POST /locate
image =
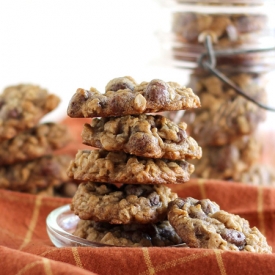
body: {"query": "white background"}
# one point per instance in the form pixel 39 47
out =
pixel 63 45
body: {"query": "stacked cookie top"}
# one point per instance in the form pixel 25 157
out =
pixel 135 148
pixel 27 162
pixel 141 153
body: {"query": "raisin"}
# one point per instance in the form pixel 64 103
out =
pixel 181 135
pixel 154 199
pixel 178 202
pixel 207 206
pixel 14 113
pixel 49 167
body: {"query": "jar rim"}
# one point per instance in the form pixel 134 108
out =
pixel 226 2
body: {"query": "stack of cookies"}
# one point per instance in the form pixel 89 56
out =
pixel 123 198
pixel 27 160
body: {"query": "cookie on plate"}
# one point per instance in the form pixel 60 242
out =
pixel 21 108
pixel 122 205
pixel 119 167
pixel 123 96
pixel 201 224
pixel 36 142
pixel 142 135
pixel 145 235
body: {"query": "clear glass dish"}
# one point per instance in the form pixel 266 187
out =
pixel 61 223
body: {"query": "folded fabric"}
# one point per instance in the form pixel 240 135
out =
pixel 25 247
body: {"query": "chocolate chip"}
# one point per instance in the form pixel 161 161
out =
pixel 157 92
pixel 140 143
pixel 117 104
pixel 234 237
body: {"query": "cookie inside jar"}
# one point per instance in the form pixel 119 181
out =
pixel 231 25
pixel 228 125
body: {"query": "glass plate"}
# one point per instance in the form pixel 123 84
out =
pixel 61 223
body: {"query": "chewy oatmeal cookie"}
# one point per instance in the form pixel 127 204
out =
pixel 229 161
pixel 41 140
pixel 144 135
pixel 122 205
pixel 159 234
pixel 21 108
pixel 224 116
pixel 118 167
pixel 124 97
pixel 201 224
pixel 36 174
pixel 257 174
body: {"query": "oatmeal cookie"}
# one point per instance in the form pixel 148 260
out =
pixel 229 161
pixel 146 235
pixel 33 143
pixel 124 97
pixel 118 167
pixel 35 175
pixel 225 116
pixel 143 135
pixel 21 108
pixel 257 174
pixel 202 224
pixel 122 205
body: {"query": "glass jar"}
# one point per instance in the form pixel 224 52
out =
pixel 224 115
pixel 212 39
pixel 231 25
pixel 227 127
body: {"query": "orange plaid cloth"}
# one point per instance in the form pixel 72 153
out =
pixel 25 247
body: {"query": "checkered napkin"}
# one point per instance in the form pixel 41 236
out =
pixel 25 247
